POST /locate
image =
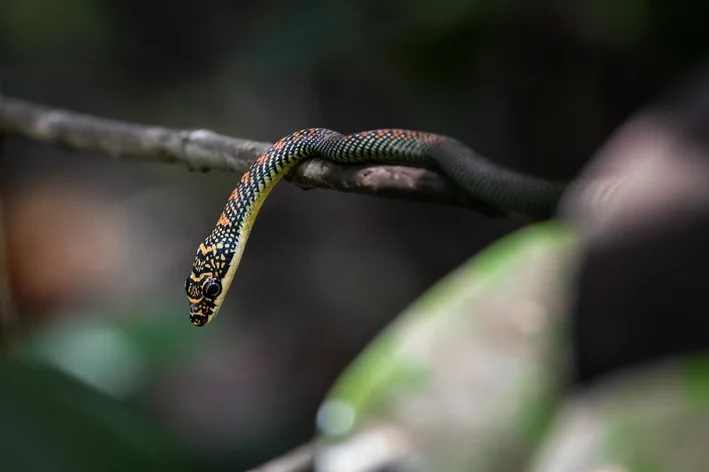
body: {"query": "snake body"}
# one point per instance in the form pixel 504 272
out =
pixel 218 256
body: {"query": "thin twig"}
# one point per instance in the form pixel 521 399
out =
pixel 300 459
pixel 201 149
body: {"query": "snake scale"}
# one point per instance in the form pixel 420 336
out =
pixel 218 256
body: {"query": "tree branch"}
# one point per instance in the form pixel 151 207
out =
pixel 204 150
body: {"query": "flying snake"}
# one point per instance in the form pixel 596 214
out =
pixel 218 256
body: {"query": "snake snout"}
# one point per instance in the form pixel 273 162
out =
pixel 197 318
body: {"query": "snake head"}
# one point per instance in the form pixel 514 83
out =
pixel 204 285
pixel 203 294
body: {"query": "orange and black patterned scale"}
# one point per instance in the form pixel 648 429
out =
pixel 219 255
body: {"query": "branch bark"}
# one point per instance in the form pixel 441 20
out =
pixel 203 150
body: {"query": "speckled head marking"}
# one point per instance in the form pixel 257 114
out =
pixel 205 286
pixel 219 254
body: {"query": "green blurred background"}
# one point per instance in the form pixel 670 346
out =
pixel 98 250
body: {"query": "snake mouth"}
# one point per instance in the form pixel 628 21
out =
pixel 197 318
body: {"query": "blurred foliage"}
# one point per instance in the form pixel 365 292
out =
pixel 386 366
pixel 53 422
pixel 470 374
pixel 67 391
pixel 116 358
pixel 654 418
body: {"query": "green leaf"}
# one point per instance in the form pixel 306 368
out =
pixel 53 422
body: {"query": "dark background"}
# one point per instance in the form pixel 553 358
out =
pixel 98 249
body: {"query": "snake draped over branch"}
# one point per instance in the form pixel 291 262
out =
pixel 218 256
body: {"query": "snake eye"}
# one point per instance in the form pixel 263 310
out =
pixel 212 289
pixel 187 285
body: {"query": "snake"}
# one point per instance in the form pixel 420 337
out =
pixel 218 256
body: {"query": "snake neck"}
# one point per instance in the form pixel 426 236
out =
pixel 237 220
